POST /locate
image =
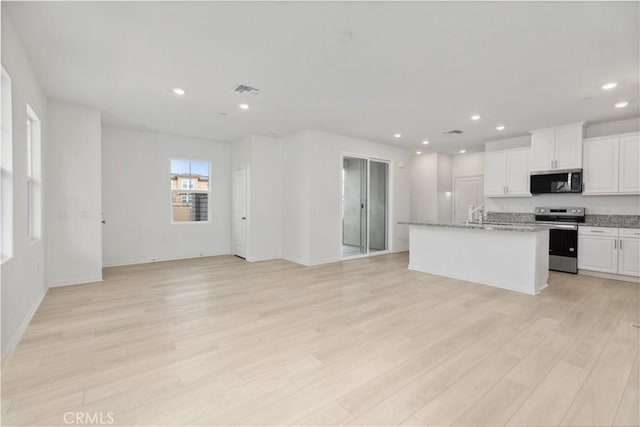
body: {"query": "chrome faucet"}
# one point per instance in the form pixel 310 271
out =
pixel 475 214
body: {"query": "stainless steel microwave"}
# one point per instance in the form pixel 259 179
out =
pixel 568 181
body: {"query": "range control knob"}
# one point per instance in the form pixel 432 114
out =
pixel 573 211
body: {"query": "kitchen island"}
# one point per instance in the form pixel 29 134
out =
pixel 514 257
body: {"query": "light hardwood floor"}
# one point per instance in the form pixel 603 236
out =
pixel 218 341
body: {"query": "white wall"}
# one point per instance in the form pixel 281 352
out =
pixel 424 187
pixel 445 185
pixel 611 128
pixel 471 164
pixel 74 162
pixel 23 280
pixel 295 198
pixel 137 198
pixel 311 217
pixel 262 156
pixel 324 174
pixel 431 184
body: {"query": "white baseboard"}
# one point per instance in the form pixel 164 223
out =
pixel 252 259
pixel 126 262
pixel 23 327
pixel 611 276
pixel 60 283
pixel 296 261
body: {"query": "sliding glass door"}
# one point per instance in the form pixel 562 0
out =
pixel 365 198
pixel 378 185
pixel 354 206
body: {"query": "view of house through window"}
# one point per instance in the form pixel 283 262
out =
pixel 189 190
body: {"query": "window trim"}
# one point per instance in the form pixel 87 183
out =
pixel 34 176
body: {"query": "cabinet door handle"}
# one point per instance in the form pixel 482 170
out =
pixel 551 164
pixel 620 244
pixel 615 244
pixel 507 188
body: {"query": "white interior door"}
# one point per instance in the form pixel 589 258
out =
pixel 240 212
pixel 467 191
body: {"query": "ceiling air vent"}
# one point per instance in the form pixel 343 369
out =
pixel 453 132
pixel 246 90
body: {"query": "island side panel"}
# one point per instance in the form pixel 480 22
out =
pixel 542 263
pixel 506 259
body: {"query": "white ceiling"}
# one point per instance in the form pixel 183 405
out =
pixel 413 67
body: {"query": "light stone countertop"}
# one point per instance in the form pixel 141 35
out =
pixel 522 228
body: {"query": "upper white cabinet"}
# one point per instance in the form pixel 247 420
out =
pixel 506 173
pixel 629 164
pixel 612 165
pixel 601 166
pixel 557 148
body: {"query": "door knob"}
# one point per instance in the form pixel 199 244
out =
pixel 244 217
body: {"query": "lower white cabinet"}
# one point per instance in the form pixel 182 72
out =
pixel 609 250
pixel 629 252
pixel 598 249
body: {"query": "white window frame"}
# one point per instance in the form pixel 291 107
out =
pixel 34 182
pixel 191 190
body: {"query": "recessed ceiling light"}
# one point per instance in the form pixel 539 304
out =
pixel 462 151
pixel 178 91
pixel 397 135
pixel 244 106
pixel 418 152
pixel 500 127
pixel 609 86
pixel 621 104
pixel 425 142
pixel 475 117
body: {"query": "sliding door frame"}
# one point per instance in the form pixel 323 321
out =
pixel 389 198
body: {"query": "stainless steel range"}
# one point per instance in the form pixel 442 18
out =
pixel 563 236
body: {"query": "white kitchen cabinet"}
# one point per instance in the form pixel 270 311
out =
pixel 601 166
pixel 598 249
pixel 506 173
pixel 542 142
pixel 609 250
pixel 630 164
pixel 557 148
pixel 612 165
pixel 517 177
pixel 495 173
pixel 629 252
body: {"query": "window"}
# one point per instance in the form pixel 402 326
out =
pixel 189 191
pixel 6 163
pixel 34 184
pixel 187 184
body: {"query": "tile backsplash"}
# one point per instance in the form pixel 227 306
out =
pixel 603 205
